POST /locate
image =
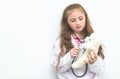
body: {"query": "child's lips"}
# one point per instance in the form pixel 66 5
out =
pixel 78 27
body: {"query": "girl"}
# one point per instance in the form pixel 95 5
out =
pixel 75 26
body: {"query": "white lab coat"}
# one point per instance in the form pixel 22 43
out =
pixel 64 70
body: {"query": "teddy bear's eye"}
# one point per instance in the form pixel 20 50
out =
pixel 89 39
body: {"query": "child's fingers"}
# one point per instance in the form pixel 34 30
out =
pixel 91 57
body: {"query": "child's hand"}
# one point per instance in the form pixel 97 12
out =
pixel 92 57
pixel 74 52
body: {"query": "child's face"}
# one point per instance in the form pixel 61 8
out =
pixel 76 20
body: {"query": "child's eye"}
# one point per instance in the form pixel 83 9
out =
pixel 73 20
pixel 80 18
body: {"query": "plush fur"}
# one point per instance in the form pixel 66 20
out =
pixel 92 43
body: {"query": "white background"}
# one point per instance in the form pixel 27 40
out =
pixel 28 29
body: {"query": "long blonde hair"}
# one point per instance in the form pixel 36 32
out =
pixel 66 31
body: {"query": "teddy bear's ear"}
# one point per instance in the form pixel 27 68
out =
pixel 95 36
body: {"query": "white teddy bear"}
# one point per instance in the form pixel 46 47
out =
pixel 92 43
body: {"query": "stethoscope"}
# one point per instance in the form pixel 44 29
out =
pixel 86 65
pixel 86 68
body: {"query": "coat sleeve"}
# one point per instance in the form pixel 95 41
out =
pixel 65 61
pixel 98 66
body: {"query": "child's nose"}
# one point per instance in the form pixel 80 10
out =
pixel 77 22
